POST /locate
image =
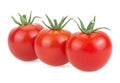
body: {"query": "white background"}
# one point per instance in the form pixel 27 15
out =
pixel 107 14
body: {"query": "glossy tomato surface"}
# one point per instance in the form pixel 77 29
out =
pixel 89 52
pixel 50 46
pixel 21 41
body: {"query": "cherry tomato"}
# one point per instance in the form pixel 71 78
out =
pixel 21 39
pixel 50 44
pixel 89 50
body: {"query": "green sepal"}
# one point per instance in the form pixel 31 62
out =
pixel 90 28
pixel 55 25
pixel 82 25
pixel 50 21
pixel 15 20
pixel 91 24
pixel 23 19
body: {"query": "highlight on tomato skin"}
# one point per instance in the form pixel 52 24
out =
pixel 90 49
pixel 21 38
pixel 50 43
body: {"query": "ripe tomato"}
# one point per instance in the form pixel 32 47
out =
pixel 50 45
pixel 89 50
pixel 21 40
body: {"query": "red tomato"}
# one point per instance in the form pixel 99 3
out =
pixel 21 40
pixel 89 51
pixel 50 46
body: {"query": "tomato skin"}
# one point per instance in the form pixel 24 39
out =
pixel 89 52
pixel 21 41
pixel 50 46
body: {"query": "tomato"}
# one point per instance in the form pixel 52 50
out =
pixel 50 45
pixel 21 40
pixel 89 50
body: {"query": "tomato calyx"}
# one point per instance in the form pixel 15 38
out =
pixel 90 28
pixel 24 20
pixel 55 25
